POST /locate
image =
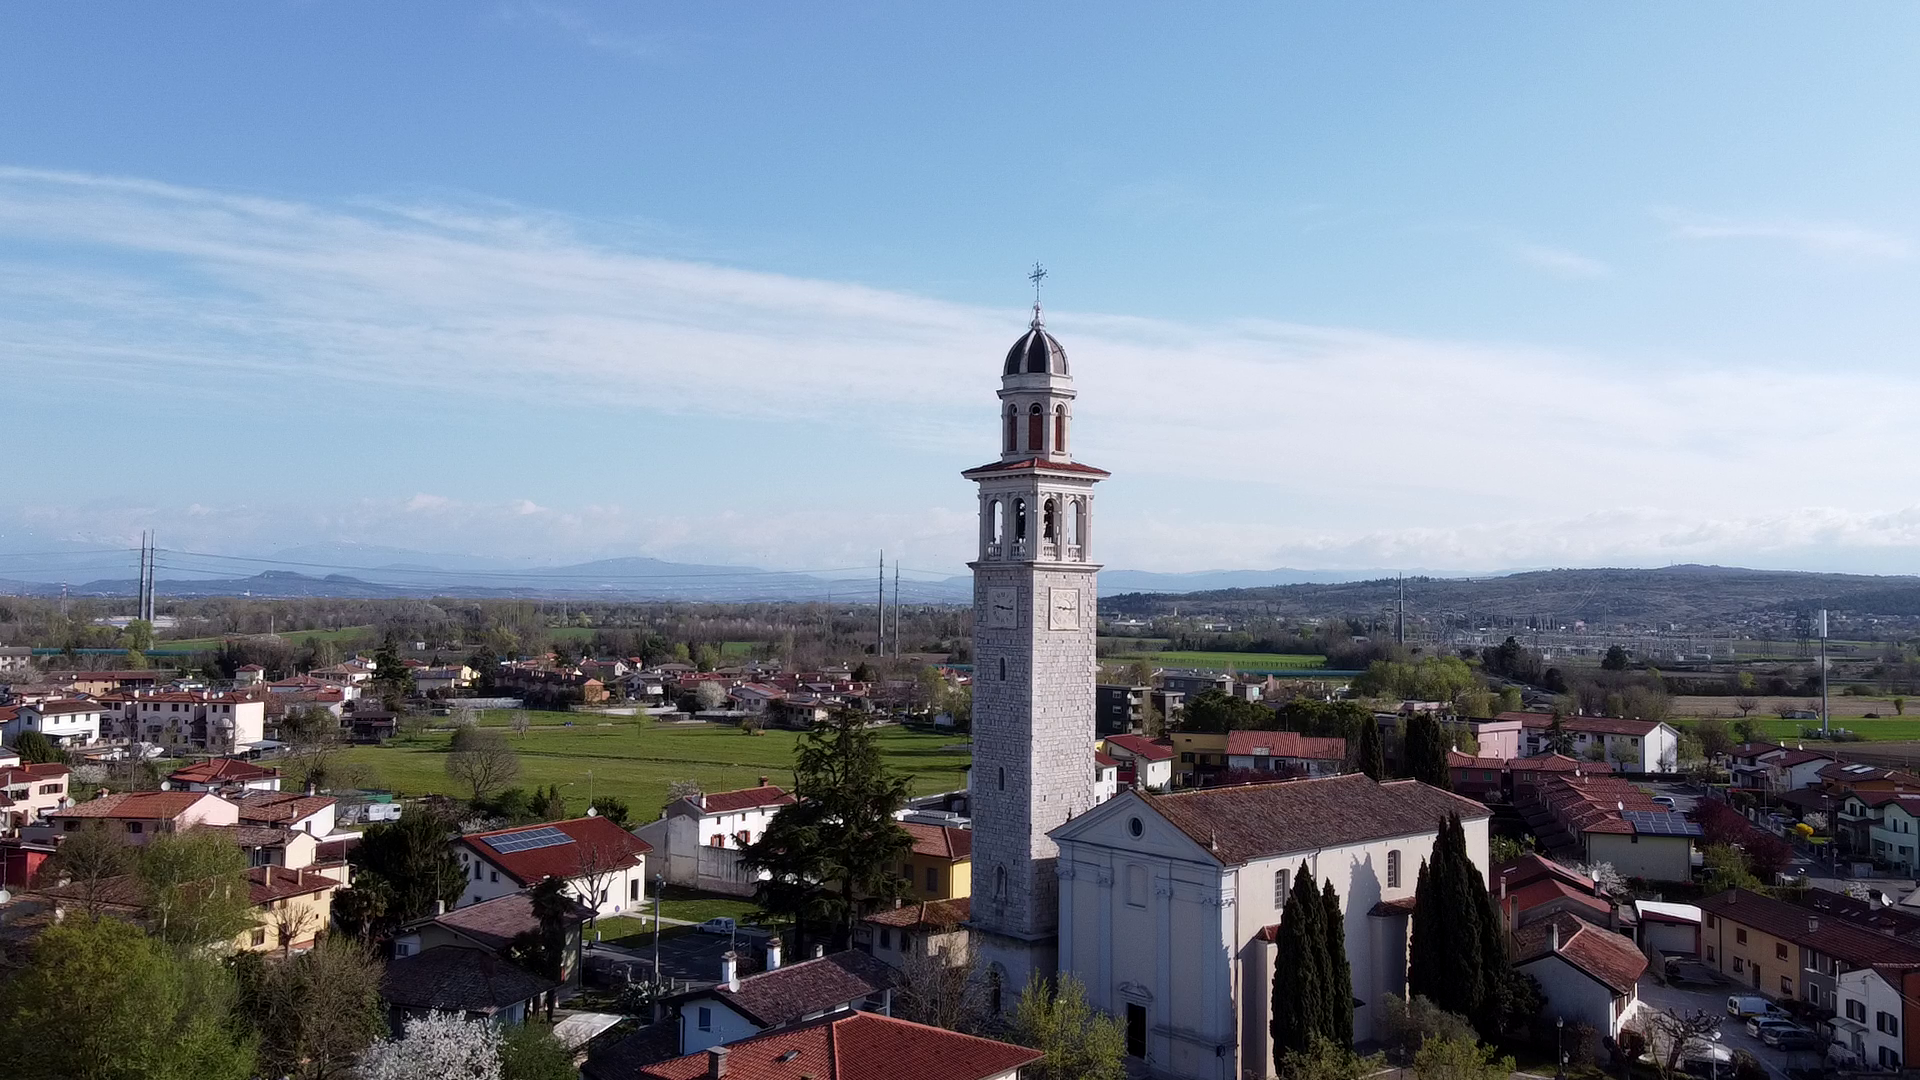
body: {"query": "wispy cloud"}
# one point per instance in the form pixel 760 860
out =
pixel 578 26
pixel 1831 238
pixel 1559 262
pixel 1233 444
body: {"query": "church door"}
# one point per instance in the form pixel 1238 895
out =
pixel 1136 1030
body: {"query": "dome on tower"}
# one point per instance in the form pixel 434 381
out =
pixel 1037 352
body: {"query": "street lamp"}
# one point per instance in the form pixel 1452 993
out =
pixel 659 886
pixel 1560 1047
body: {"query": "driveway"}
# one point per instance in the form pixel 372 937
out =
pixel 1733 1031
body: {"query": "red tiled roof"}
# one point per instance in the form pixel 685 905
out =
pixel 732 802
pixel 772 998
pixel 160 805
pixel 1908 800
pixel 940 841
pixel 934 914
pixel 1036 463
pixel 1853 773
pixel 594 839
pixel 1607 957
pixel 1458 760
pixel 216 770
pixel 1547 890
pixel 1285 744
pixel 61 708
pixel 1831 934
pixel 1527 869
pixel 856 1046
pixel 1255 821
pixel 1142 748
pixel 277 806
pixel 1105 761
pixel 16 774
pixel 268 883
pixel 1551 762
pixel 1800 757
pixel 1603 725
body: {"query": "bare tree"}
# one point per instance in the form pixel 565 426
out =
pixel 683 789
pixel 520 722
pixel 947 989
pixel 597 866
pixel 484 763
pixel 1668 1032
pixel 91 858
pixel 1746 704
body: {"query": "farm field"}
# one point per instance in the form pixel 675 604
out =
pixel 1221 661
pixel 741 649
pixel 1892 729
pixel 637 761
pixel 1842 706
pixel 291 637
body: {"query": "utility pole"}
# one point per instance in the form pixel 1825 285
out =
pixel 1825 723
pixel 880 613
pixel 896 609
pixel 1400 616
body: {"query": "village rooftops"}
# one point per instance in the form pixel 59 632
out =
pixel 1829 934
pixel 1602 955
pixel 1855 773
pixel 776 998
pixel 222 771
pixel 851 1046
pixel 733 802
pixel 1592 725
pixel 940 841
pixel 459 980
pixel 1285 744
pixel 276 807
pixel 144 805
pixel 1246 822
pixel 564 849
pixel 1529 868
pixel 932 915
pixel 1139 747
pixel 495 924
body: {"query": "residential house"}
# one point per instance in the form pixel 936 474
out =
pixel 1783 950
pixel 756 698
pixel 30 792
pixel 782 996
pixel 1606 819
pixel 924 930
pixel 1744 765
pixel 294 906
pixel 1191 684
pixel 193 720
pixel 854 1046
pixel 493 925
pixel 1285 752
pixel 309 813
pixel 1639 746
pixel 1587 974
pixel 1106 776
pixel 1890 819
pixel 443 679
pixel 1670 929
pixel 697 839
pixel 940 865
pixel 474 983
pixel 140 815
pixel 604 865
pixel 1144 763
pixel 1169 905
pixel 96 683
pixel 66 723
pixel 15 658
pixel 249 675
pixel 367 721
pixel 1120 710
pixel 225 775
pixel 1530 888
pixel 1492 780
pixel 1776 769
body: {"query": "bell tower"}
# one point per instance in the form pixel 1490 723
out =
pixel 1034 606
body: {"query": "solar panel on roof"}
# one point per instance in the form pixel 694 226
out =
pixel 1648 823
pixel 527 840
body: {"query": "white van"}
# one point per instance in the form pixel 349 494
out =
pixel 1742 1005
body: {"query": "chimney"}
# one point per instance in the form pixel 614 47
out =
pixel 764 781
pixel 773 953
pixel 716 1063
pixel 819 951
pixel 1813 924
pixel 312 790
pixel 1553 935
pixel 439 907
pixel 730 970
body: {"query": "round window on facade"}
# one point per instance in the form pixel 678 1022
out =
pixel 1135 827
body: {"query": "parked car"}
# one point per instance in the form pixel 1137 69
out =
pixel 1791 1038
pixel 719 924
pixel 1666 801
pixel 1743 1005
pixel 1759 1026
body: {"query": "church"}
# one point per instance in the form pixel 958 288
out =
pixel 1164 906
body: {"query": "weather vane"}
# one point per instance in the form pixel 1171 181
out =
pixel 1039 274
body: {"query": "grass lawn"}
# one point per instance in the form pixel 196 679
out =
pixel 638 760
pixel 689 906
pixel 1903 729
pixel 291 637
pixel 1221 661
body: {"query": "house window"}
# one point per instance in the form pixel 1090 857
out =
pixel 134 826
pixel 705 1019
pixel 1888 1058
pixel 1137 886
pixel 259 936
pixel 1279 890
pixel 1856 1011
pixel 933 879
pixel 1886 1023
pixel 1779 951
pixel 1786 986
pixel 886 938
pixel 1710 956
pixel 493 875
pixel 1739 965
pixel 1186 759
pixel 1740 936
pixel 1712 921
pixel 402 948
pixel 476 871
pixel 1393 869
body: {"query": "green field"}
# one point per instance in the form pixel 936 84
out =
pixel 1901 729
pixel 291 637
pixel 638 760
pixel 1221 661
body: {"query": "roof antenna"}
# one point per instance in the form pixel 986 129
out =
pixel 1038 275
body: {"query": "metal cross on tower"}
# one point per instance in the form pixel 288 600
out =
pixel 1038 275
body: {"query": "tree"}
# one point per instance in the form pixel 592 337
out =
pixel 613 808
pixel 437 1046
pixel 90 859
pixel 551 805
pixel 1559 739
pixel 1726 868
pixel 100 1000
pixel 1460 1059
pixel 138 636
pixel 392 680
pixel 1328 1060
pixel 545 950
pixel 1078 1042
pixel 401 870
pixel 1423 752
pixel 530 1052
pixel 1746 703
pixel 1301 975
pixel 1339 990
pixel 1369 753
pixel 683 789
pixel 1899 706
pixel 1669 1031
pixel 1456 956
pixel 1615 660
pixel 313 1014
pixel 195 888
pixel 484 763
pixel 709 695
pixel 1407 1024
pixel 1715 739
pixel 35 748
pixel 832 856
pixel 943 990
pixel 520 722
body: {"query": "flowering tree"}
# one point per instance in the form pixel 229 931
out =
pixel 437 1046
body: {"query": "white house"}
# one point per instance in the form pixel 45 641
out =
pixel 1285 752
pixel 1106 777
pixel 1168 905
pixel 1143 762
pixel 741 1007
pixel 15 658
pixel 604 865
pixel 29 792
pixel 1867 1018
pixel 1628 745
pixel 64 723
pixel 311 814
pixel 192 720
pixel 1588 974
pixel 697 840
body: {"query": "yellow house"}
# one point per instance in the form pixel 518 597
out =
pixel 292 907
pixel 1194 750
pixel 940 866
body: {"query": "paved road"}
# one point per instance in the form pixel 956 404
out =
pixel 1733 1031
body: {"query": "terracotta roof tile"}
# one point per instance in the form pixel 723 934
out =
pixel 1287 744
pixel 1255 821
pixel 216 770
pixel 1036 463
pixel 940 841
pixel 1142 748
pixel 856 1046
pixel 495 923
pixel 456 979
pixel 1602 954
pixel 592 837
pixel 732 802
pixel 138 804
pixel 932 915
pixel 773 998
pixel 1831 934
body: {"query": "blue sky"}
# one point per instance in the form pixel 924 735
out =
pixel 1446 286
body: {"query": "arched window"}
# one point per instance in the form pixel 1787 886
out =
pixel 1073 521
pixel 1013 428
pixel 997 522
pixel 1000 884
pixel 1019 519
pixel 995 981
pixel 1049 522
pixel 1036 429
pixel 1059 429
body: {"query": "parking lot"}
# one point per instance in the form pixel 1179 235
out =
pixel 1733 1031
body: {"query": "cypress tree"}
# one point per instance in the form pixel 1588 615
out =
pixel 1496 975
pixel 1446 961
pixel 1300 975
pixel 1423 752
pixel 1339 971
pixel 1369 753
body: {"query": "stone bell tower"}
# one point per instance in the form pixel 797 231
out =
pixel 1033 661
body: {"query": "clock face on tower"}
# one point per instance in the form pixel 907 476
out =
pixel 1063 609
pixel 1003 607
